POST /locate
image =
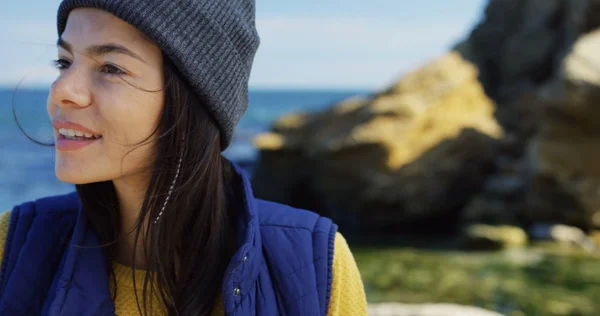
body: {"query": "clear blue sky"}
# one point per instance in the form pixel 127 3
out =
pixel 324 44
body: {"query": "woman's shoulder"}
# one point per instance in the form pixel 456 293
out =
pixel 348 295
pixel 61 203
pixel 57 205
pixel 4 222
pixel 284 215
pixel 5 216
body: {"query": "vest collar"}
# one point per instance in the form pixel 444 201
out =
pixel 244 266
pixel 84 279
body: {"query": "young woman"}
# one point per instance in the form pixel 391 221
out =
pixel 160 223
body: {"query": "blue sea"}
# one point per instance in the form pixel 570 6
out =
pixel 27 169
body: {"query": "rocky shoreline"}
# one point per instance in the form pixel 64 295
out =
pixel 495 141
pixel 399 309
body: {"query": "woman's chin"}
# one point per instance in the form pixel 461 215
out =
pixel 72 176
pixel 71 180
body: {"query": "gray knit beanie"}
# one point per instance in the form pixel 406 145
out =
pixel 211 42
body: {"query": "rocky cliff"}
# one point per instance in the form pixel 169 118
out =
pixel 504 130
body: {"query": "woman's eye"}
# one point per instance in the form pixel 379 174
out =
pixel 60 63
pixel 112 70
pixel 106 68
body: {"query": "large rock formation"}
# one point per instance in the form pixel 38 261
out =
pixel 566 149
pixel 520 49
pixel 413 153
pixel 551 175
pixel 501 130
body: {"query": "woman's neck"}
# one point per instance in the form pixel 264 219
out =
pixel 130 193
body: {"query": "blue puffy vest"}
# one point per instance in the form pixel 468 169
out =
pixel 283 264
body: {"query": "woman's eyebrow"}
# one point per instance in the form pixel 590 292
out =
pixel 103 49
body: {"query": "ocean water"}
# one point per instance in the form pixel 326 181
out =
pixel 27 168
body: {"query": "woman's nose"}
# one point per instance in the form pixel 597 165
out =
pixel 71 88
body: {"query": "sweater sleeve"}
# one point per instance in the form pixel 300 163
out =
pixel 4 221
pixel 347 289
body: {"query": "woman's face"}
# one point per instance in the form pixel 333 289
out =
pixel 92 91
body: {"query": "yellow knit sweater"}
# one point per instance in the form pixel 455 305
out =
pixel 347 290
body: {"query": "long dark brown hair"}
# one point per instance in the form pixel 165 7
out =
pixel 188 249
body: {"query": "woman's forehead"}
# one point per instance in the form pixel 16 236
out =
pixel 89 26
pixel 100 24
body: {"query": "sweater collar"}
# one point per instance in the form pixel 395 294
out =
pixel 86 267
